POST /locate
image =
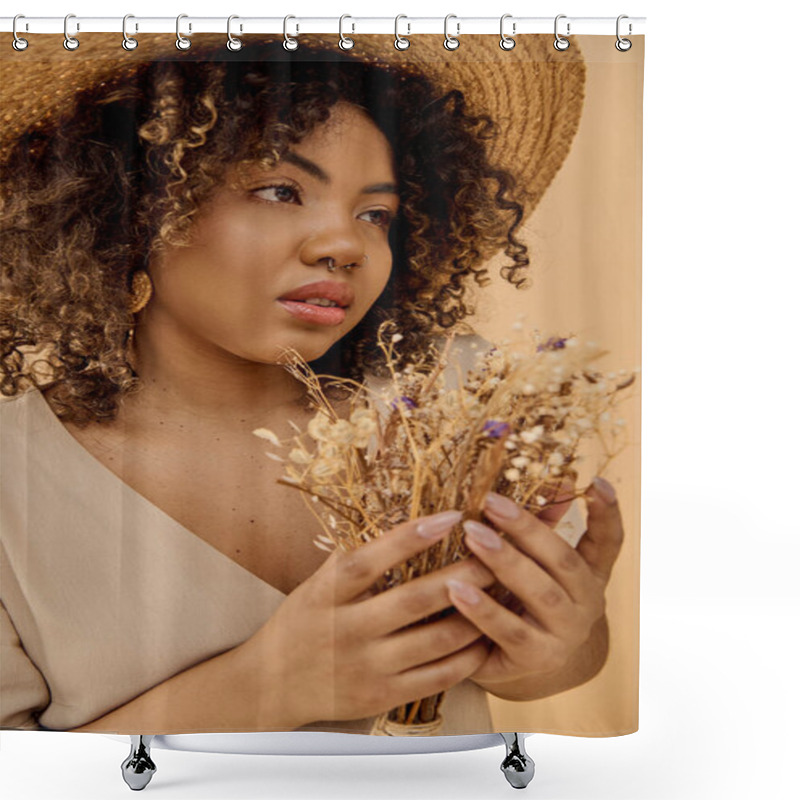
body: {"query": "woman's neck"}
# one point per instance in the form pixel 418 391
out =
pixel 204 383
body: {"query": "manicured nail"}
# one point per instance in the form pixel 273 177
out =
pixel 463 591
pixel 483 534
pixel 605 489
pixel 437 525
pixel 502 506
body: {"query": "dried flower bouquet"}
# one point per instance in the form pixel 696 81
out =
pixel 512 425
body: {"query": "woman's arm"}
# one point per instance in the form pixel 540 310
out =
pixel 216 695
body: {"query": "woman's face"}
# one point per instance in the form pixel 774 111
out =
pixel 332 197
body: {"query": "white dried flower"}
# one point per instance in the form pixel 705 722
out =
pixel 300 456
pixel 323 469
pixel 264 433
pixel 512 475
pixel 532 435
pixel 397 337
pixel 319 427
pixel 341 432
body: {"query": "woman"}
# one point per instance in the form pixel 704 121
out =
pixel 149 284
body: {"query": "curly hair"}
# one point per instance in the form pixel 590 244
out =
pixel 88 198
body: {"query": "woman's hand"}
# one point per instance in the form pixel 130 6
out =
pixel 335 650
pixel 561 588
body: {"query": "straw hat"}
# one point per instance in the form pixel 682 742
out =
pixel 534 92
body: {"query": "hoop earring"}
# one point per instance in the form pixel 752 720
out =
pixel 141 291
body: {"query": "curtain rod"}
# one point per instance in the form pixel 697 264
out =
pixel 346 24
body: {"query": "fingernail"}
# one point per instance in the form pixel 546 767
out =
pixel 502 506
pixel 483 534
pixel 437 525
pixel 605 489
pixel 463 591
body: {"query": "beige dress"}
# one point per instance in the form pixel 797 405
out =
pixel 104 595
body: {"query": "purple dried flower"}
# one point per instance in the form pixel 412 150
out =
pixel 495 429
pixel 407 401
pixel 552 343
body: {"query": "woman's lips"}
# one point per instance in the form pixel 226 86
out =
pixel 321 315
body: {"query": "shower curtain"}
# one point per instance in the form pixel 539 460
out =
pixel 199 531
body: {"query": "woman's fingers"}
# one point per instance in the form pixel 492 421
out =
pixel 522 645
pixel 427 642
pixel 347 575
pixel 602 542
pixel 566 569
pixel 414 600
pixel 548 603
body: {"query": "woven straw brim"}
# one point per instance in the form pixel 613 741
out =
pixel 534 92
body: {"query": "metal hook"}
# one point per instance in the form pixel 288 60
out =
pixel 345 42
pixel 70 43
pixel 18 44
pixel 623 45
pixel 400 42
pixel 560 43
pixel 182 43
pixel 506 42
pixel 128 43
pixel 234 44
pixel 450 42
pixel 289 43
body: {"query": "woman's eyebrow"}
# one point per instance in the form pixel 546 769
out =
pixel 317 172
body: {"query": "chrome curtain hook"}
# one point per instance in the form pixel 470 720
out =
pixel 400 42
pixel 623 45
pixel 560 43
pixel 506 42
pixel 18 44
pixel 345 42
pixel 182 43
pixel 128 43
pixel 450 42
pixel 234 44
pixel 289 43
pixel 70 43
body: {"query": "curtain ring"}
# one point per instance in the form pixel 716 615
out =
pixel 400 42
pixel 506 42
pixel 234 44
pixel 345 42
pixel 560 43
pixel 623 45
pixel 450 42
pixel 289 43
pixel 70 42
pixel 18 44
pixel 128 43
pixel 182 43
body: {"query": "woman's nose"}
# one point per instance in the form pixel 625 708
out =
pixel 338 241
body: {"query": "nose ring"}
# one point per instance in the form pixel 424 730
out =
pixel 348 267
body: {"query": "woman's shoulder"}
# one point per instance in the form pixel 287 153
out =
pixel 16 403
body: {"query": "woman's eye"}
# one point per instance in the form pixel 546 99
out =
pixel 279 192
pixel 283 192
pixel 385 217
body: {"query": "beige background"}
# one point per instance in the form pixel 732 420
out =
pixel 585 246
